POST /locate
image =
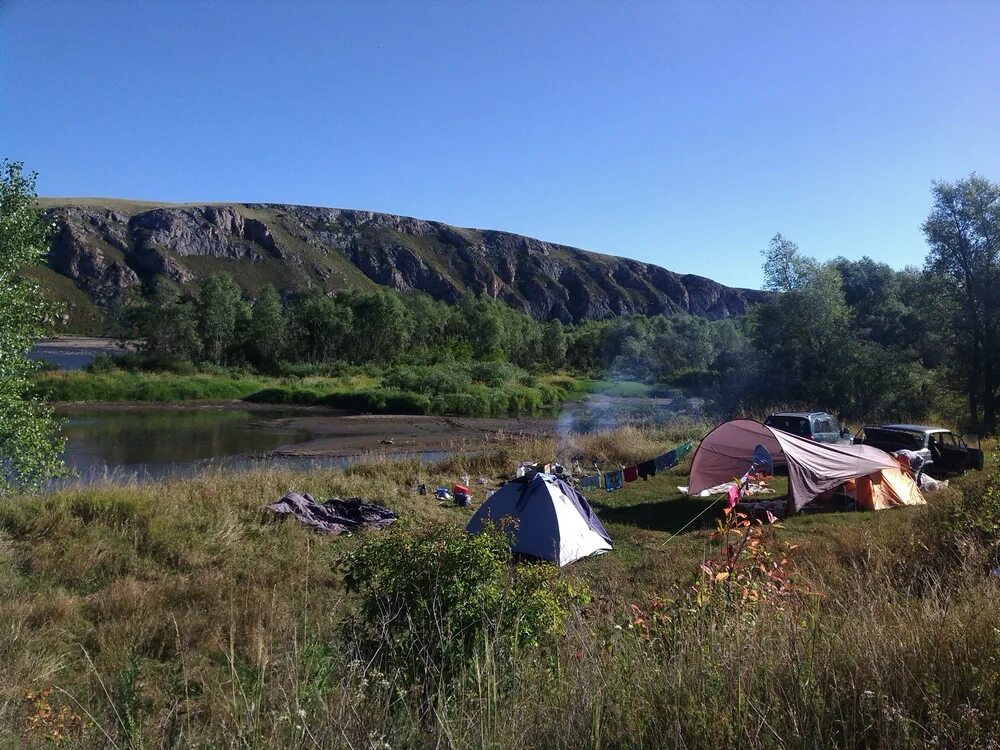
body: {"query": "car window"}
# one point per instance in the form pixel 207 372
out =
pixel 794 425
pixel 914 441
pixel 823 426
pixel 948 440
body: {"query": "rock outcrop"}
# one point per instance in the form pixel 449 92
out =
pixel 108 251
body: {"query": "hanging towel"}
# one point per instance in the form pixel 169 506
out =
pixel 647 469
pixel 682 450
pixel 630 474
pixel 613 480
pixel 591 481
pixel 665 460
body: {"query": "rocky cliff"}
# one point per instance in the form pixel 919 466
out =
pixel 109 248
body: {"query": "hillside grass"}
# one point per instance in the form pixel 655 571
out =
pixel 180 615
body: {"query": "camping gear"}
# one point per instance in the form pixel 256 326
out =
pixel 551 520
pixel 334 516
pixel 422 489
pixel 462 494
pixel 441 493
pixel 813 468
pixel 887 489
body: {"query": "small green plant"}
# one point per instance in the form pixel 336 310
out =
pixel 434 601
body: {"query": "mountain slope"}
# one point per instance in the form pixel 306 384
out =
pixel 108 248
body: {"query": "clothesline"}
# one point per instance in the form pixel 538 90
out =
pixel 613 480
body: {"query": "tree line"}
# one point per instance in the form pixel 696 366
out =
pixel 218 324
pixel 856 337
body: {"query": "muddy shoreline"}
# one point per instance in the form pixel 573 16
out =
pixel 340 435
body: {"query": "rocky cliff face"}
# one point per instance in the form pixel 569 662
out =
pixel 109 249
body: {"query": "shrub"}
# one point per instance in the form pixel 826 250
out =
pixel 977 512
pixel 435 600
pixel 102 363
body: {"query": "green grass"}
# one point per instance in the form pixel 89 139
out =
pixel 83 316
pixel 144 386
pixel 459 389
pixel 178 614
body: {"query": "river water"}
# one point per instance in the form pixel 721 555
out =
pixel 149 443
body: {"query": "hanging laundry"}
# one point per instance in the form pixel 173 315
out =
pixel 665 461
pixel 613 480
pixel 682 450
pixel 647 469
pixel 630 474
pixel 591 481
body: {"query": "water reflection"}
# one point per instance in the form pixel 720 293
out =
pixel 146 444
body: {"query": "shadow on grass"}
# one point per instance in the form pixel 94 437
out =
pixel 669 515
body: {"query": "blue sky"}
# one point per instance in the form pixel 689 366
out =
pixel 680 133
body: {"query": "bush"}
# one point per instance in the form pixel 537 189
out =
pixel 435 600
pixel 972 520
pixel 102 363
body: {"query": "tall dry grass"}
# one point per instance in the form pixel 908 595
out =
pixel 179 615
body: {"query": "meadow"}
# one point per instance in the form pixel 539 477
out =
pixel 180 615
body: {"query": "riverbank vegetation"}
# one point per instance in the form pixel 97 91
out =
pixel 178 614
pixel 464 389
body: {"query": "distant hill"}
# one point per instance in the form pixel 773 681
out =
pixel 105 248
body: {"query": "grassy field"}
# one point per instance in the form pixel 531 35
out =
pixel 178 615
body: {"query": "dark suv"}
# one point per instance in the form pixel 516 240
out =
pixel 942 450
pixel 812 425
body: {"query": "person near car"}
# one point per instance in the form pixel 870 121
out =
pixel 913 460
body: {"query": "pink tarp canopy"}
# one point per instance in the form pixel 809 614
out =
pixel 813 468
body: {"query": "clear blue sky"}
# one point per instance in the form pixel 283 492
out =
pixel 682 133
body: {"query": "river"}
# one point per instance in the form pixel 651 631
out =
pixel 150 442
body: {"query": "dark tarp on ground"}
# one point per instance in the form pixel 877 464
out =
pixel 335 516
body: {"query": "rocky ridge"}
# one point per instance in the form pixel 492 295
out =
pixel 110 249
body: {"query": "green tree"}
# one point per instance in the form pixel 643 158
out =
pixel 29 441
pixel 481 322
pixel 381 326
pixel 804 333
pixel 321 325
pixel 963 231
pixel 266 330
pixel 168 327
pixel 555 345
pixel 222 317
